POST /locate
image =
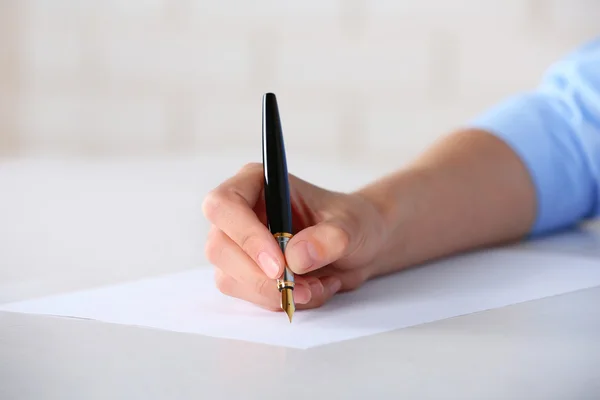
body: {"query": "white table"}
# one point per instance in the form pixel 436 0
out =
pixel 68 225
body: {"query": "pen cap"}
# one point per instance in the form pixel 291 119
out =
pixel 277 192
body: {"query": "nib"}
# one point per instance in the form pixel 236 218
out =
pixel 287 302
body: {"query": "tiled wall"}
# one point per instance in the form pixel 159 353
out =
pixel 378 79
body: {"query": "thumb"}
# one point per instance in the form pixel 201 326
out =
pixel 319 245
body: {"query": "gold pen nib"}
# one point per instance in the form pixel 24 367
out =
pixel 287 302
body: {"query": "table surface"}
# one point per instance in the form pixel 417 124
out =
pixel 76 224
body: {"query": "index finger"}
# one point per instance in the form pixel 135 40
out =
pixel 230 208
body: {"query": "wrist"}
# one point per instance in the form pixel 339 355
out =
pixel 397 201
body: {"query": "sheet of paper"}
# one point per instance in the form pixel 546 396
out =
pixel 188 301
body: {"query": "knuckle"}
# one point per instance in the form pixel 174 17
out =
pixel 251 167
pixel 212 203
pixel 221 204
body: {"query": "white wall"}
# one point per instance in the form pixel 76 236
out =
pixel 379 79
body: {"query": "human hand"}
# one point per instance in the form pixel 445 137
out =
pixel 336 239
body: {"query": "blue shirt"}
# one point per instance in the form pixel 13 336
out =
pixel 555 130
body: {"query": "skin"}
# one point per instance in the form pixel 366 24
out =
pixel 469 190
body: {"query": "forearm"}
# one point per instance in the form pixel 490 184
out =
pixel 468 190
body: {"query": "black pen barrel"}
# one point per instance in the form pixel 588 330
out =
pixel 276 183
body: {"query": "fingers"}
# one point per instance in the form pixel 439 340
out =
pixel 310 293
pixel 223 253
pixel 321 291
pixel 268 297
pixel 230 287
pixel 230 208
pixel 319 245
pixel 248 258
pixel 239 276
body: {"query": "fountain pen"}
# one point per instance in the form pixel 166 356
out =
pixel 277 193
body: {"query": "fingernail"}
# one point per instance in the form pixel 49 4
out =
pixel 333 284
pixel 305 256
pixel 316 287
pixel 268 265
pixel 302 293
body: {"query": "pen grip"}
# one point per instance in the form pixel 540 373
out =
pixel 287 279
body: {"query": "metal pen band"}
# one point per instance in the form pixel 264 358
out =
pixel 287 280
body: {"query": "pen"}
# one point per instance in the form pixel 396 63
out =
pixel 277 193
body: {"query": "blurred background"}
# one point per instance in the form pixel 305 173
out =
pixel 369 81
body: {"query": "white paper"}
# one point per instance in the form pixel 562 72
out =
pixel 188 301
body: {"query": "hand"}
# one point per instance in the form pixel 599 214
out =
pixel 336 239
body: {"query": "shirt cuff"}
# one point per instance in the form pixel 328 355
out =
pixel 531 125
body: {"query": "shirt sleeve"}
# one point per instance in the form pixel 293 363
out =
pixel 555 130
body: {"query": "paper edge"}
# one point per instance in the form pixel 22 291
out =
pixel 303 348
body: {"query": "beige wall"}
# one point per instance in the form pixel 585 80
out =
pixel 377 79
pixel 9 77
